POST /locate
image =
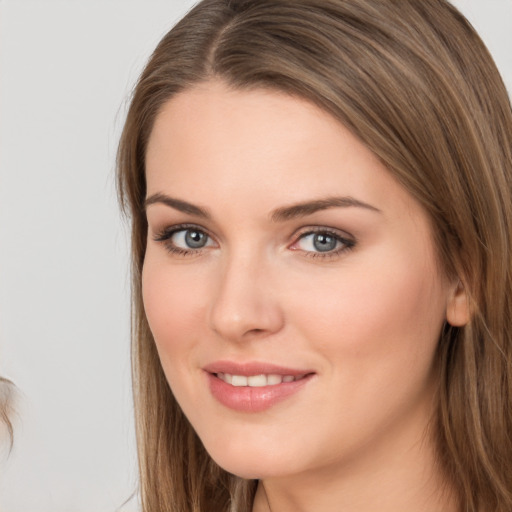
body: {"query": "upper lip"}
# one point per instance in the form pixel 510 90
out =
pixel 253 368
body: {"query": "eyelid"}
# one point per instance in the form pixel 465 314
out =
pixel 165 235
pixel 348 241
pixel 316 228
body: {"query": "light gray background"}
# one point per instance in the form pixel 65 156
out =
pixel 66 69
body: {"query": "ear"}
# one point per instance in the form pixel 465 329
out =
pixel 458 311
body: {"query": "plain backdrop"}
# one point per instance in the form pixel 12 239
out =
pixel 66 71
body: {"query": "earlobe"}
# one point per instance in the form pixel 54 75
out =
pixel 458 311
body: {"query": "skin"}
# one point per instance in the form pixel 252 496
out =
pixel 366 320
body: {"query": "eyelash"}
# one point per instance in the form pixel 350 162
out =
pixel 347 243
pixel 166 234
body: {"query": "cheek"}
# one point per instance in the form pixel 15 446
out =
pixel 377 330
pixel 371 310
pixel 174 305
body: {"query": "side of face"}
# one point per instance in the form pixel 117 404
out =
pixel 278 243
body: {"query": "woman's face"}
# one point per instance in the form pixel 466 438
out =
pixel 290 283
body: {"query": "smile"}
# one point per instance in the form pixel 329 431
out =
pixel 254 387
pixel 257 381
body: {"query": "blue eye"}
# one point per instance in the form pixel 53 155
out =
pixel 322 243
pixel 189 239
pixel 184 240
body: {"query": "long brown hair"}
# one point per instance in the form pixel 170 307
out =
pixel 415 83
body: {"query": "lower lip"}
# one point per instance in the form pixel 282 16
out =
pixel 253 399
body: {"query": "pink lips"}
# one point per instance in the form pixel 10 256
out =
pixel 253 399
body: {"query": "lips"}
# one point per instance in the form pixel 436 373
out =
pixel 254 387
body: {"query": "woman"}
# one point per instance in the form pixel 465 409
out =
pixel 320 198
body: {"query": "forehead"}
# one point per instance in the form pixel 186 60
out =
pixel 216 115
pixel 212 143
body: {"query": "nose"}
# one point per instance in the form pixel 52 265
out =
pixel 245 304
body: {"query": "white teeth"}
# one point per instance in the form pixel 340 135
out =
pixel 272 380
pixel 257 381
pixel 239 380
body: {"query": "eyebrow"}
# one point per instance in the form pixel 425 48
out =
pixel 279 215
pixel 310 207
pixel 177 204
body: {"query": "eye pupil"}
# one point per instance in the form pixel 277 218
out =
pixel 323 242
pixel 195 239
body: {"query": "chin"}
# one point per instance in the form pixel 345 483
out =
pixel 252 460
pixel 253 470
